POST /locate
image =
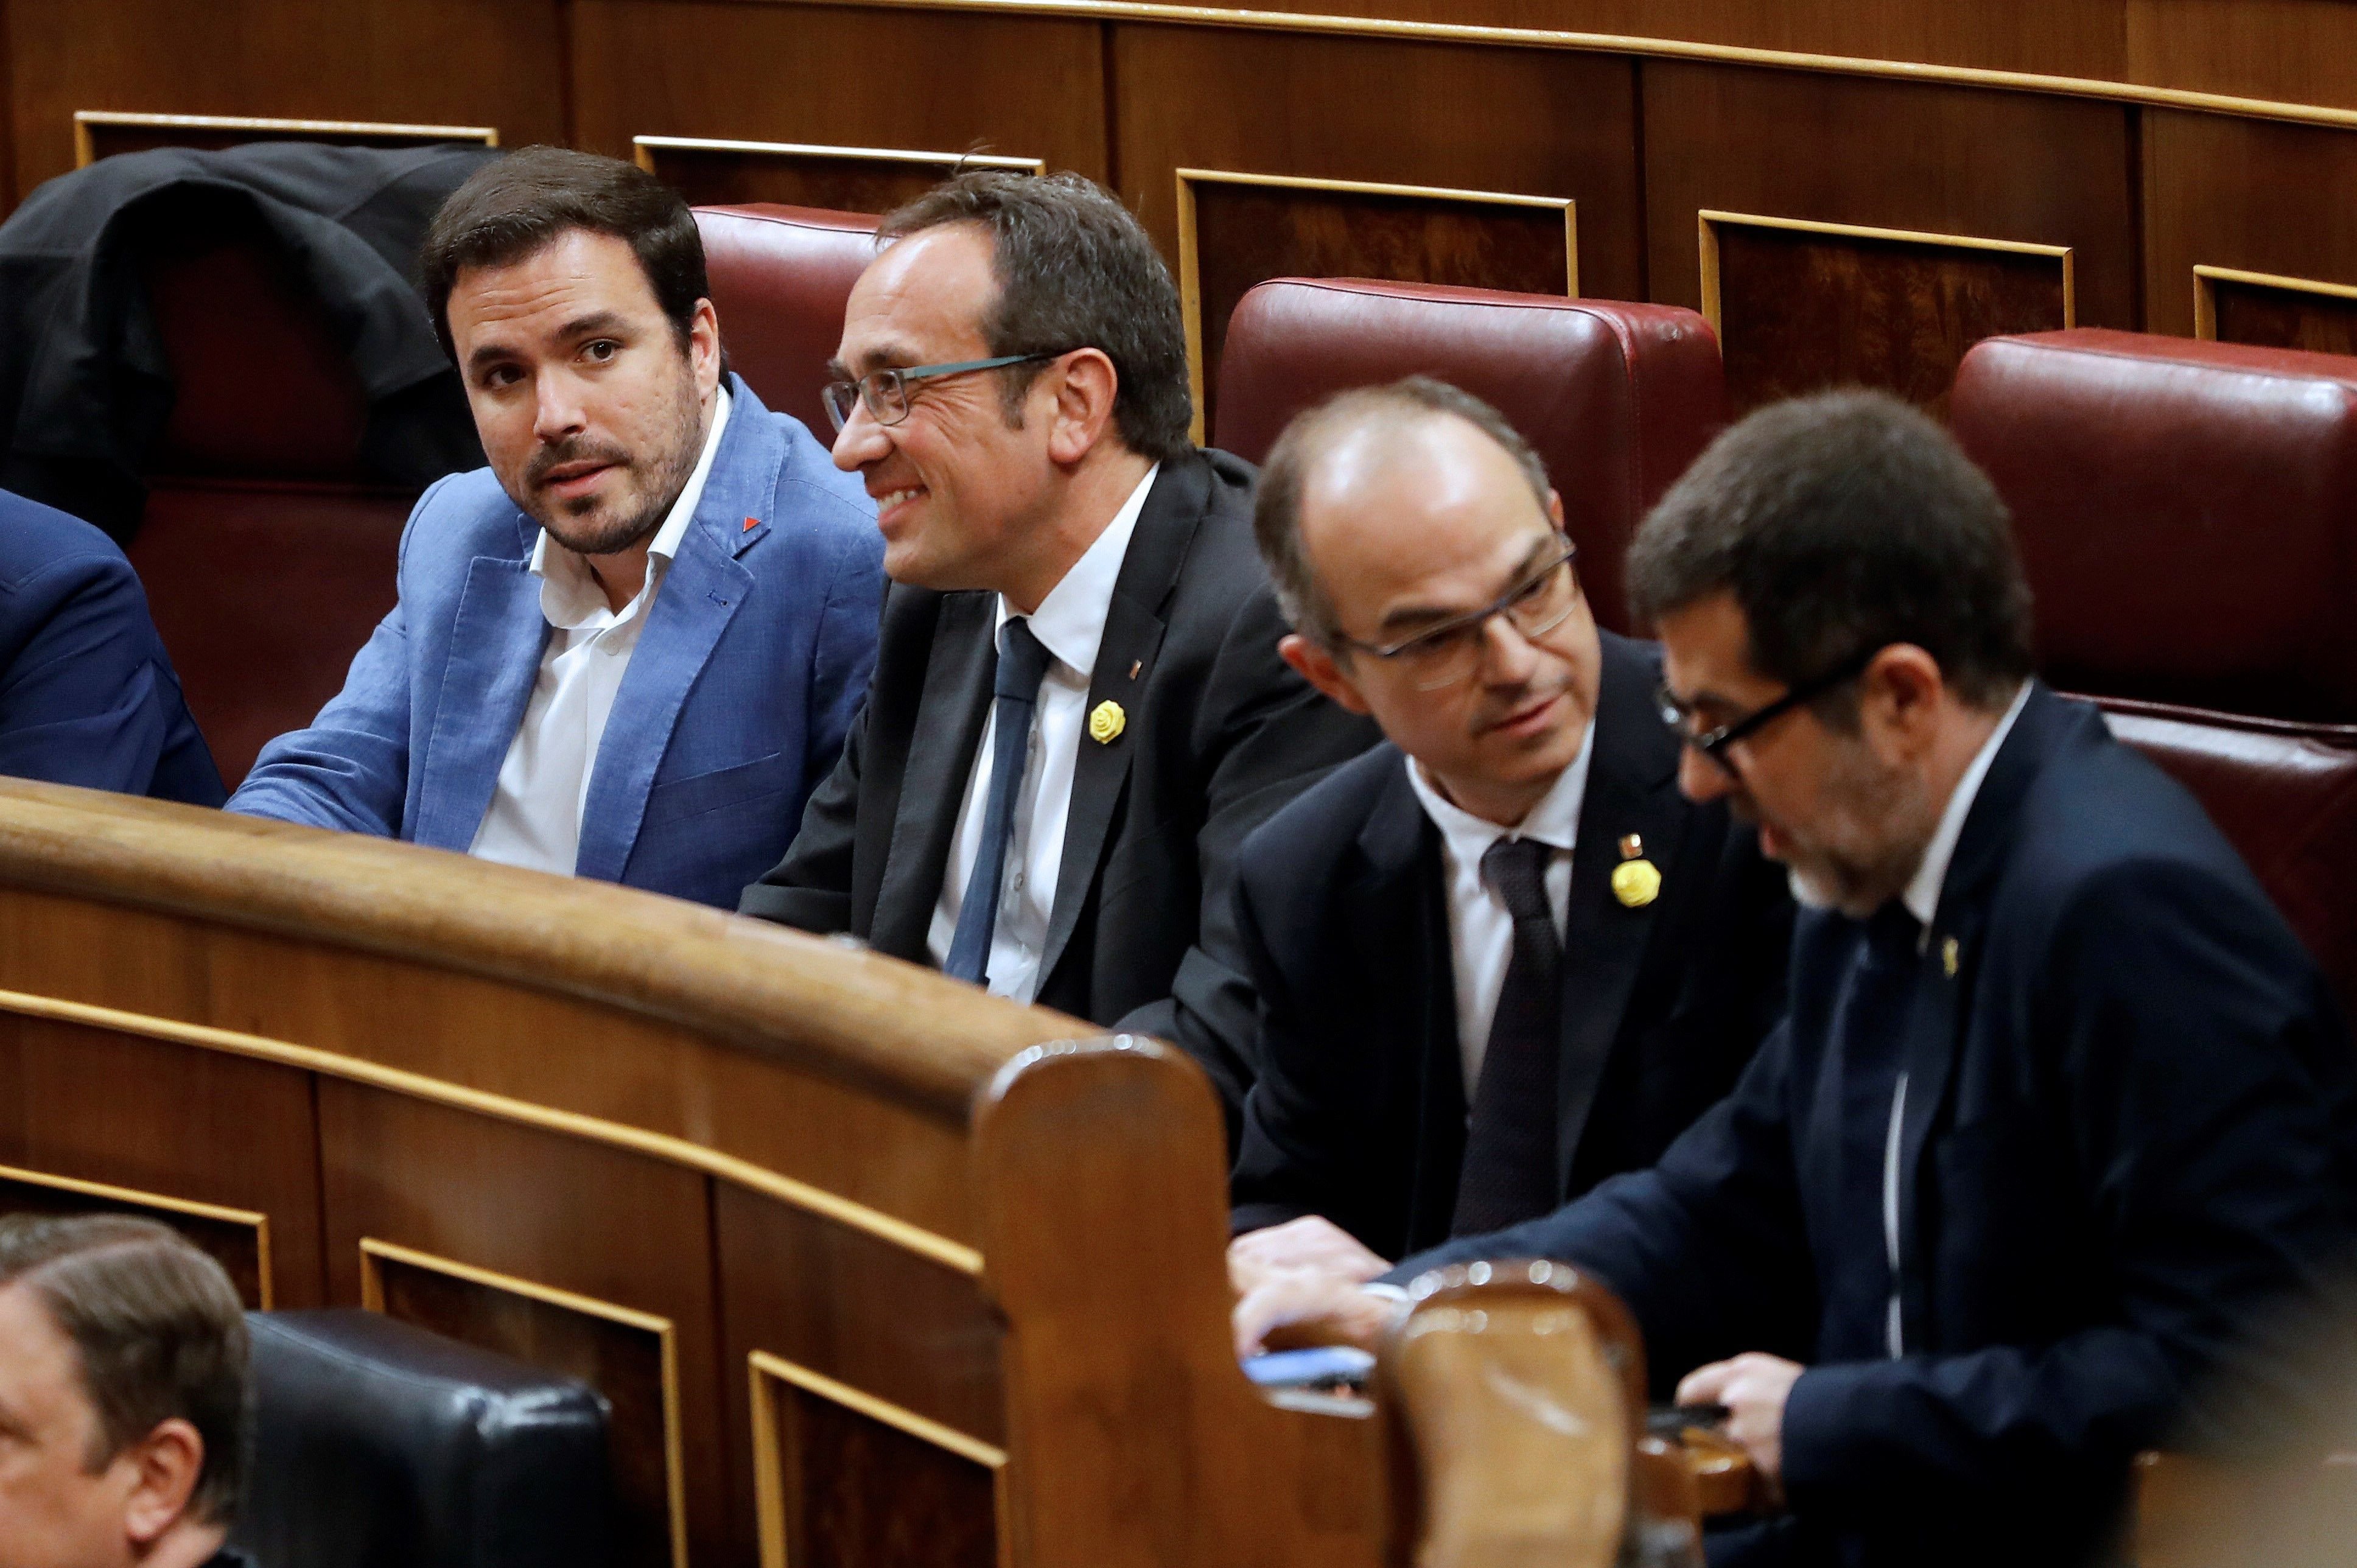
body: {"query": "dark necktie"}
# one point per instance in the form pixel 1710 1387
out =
pixel 1022 661
pixel 1509 1174
pixel 1869 1029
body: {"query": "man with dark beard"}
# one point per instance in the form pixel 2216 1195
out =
pixel 629 648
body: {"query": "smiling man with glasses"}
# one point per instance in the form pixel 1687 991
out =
pixel 1078 710
pixel 1500 957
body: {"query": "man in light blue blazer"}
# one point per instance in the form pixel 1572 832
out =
pixel 630 646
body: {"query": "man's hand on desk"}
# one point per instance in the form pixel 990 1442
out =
pixel 1298 1283
pixel 1753 1387
pixel 1309 1242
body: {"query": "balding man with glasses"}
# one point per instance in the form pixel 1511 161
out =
pixel 1077 711
pixel 1500 957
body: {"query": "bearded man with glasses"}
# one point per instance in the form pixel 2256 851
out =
pixel 1500 957
pixel 1077 711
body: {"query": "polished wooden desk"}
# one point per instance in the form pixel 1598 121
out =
pixel 873 1269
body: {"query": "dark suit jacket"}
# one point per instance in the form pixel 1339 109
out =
pixel 1218 734
pixel 1359 1114
pixel 87 693
pixel 2129 1129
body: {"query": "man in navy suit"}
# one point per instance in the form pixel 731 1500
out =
pixel 87 693
pixel 630 646
pixel 1423 1070
pixel 2062 1123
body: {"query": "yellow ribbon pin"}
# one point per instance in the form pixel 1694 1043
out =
pixel 1105 722
pixel 1636 881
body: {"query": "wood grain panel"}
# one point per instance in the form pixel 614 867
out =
pixel 1234 234
pixel 100 134
pixel 626 1362
pixel 711 172
pixel 1941 160
pixel 856 1310
pixel 1023 86
pixel 458 62
pixel 179 1123
pixel 2275 313
pixel 631 1232
pixel 1800 309
pixel 237 1241
pixel 853 1490
pixel 2247 195
pixel 2299 50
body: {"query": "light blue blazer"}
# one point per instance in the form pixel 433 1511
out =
pixel 753 661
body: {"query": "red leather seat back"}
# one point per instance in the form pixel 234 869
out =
pixel 2187 514
pixel 267 557
pixel 2285 796
pixel 779 276
pixel 1618 398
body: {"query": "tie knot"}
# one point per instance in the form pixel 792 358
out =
pixel 1892 933
pixel 1022 661
pixel 1517 869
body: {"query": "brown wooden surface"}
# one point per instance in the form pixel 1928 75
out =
pixel 2280 200
pixel 106 140
pixel 714 176
pixel 1022 86
pixel 1800 311
pixel 237 1247
pixel 2284 317
pixel 864 1492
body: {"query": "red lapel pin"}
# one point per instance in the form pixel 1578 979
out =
pixel 752 524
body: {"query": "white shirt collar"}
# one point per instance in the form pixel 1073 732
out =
pixel 1922 895
pixel 570 595
pixel 1554 821
pixel 1070 622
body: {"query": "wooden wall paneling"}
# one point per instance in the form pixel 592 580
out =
pixel 2302 51
pixel 2243 196
pixel 710 171
pixel 456 62
pixel 1951 161
pixel 1900 302
pixel 1455 117
pixel 2275 312
pixel 863 1320
pixel 1236 230
pixel 103 132
pixel 608 1266
pixel 226 1150
pixel 1018 86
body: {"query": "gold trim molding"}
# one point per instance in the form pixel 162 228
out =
pixel 1708 221
pixel 644 148
pixel 2206 280
pixel 188 1206
pixel 1191 281
pixel 769 1474
pixel 85 154
pixel 374 1254
pixel 1640 46
pixel 816 1201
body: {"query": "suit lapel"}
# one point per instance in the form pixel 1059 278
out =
pixel 1939 1013
pixel 1631 789
pixel 950 715
pixel 702 592
pixel 1398 914
pixel 497 638
pixel 1133 636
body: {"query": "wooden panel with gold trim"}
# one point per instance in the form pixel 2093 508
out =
pixel 102 132
pixel 1238 229
pixel 711 172
pixel 2234 306
pixel 236 1239
pixel 1799 305
pixel 842 1477
pixel 629 1356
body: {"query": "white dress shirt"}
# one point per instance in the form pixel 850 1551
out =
pixel 535 818
pixel 1481 928
pixel 1921 897
pixel 1069 624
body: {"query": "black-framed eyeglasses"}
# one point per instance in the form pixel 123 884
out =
pixel 1714 742
pixel 1446 654
pixel 884 393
